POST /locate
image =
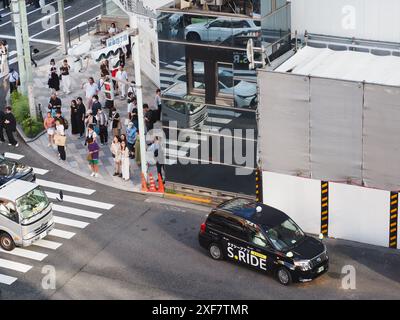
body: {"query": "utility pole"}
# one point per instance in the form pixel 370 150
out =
pixel 63 29
pixel 20 47
pixel 27 56
pixel 139 97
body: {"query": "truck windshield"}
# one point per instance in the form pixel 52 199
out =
pixel 285 235
pixel 32 203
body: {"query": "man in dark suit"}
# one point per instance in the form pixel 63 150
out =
pixel 2 118
pixel 10 125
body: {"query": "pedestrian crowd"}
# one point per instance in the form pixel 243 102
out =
pixel 94 117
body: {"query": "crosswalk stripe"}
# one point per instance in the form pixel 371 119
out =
pixel 175 152
pixel 183 144
pixel 65 187
pixel 61 234
pixel 211 128
pixel 76 212
pixel 13 156
pixel 82 201
pixel 26 254
pixel 16 266
pixel 71 222
pixel 170 162
pixel 223 112
pixel 47 244
pixel 40 172
pixel 219 120
pixel 7 279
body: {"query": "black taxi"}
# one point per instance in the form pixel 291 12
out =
pixel 265 238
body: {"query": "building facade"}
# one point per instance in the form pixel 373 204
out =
pixel 209 95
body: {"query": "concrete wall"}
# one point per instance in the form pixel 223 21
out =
pixel 363 19
pixel 355 213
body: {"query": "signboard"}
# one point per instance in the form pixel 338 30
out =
pixel 121 39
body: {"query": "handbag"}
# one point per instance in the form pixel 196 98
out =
pixel 60 140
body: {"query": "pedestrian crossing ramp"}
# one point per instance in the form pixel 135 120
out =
pixel 73 215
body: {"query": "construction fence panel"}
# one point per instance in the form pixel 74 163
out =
pixel 359 214
pixel 284 123
pixel 336 130
pixel 300 198
pixel 381 137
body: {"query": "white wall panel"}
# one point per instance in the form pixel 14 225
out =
pixel 299 198
pixel 365 19
pixel 359 214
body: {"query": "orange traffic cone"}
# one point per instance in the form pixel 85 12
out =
pixel 144 184
pixel 152 184
pixel 160 184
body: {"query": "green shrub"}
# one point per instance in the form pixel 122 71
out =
pixel 32 127
pixel 20 107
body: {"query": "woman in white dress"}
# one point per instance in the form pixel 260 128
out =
pixel 124 161
pixel 116 153
pixel 4 59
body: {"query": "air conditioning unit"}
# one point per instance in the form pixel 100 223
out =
pixel 213 2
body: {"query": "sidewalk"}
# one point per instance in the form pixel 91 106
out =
pixel 76 151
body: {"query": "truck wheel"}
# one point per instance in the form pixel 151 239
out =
pixel 6 242
pixel 284 276
pixel 215 251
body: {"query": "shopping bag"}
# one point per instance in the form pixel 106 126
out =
pixel 60 140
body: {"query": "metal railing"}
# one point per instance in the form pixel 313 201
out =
pixel 82 29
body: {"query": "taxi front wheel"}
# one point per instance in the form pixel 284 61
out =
pixel 284 276
pixel 215 251
pixel 6 242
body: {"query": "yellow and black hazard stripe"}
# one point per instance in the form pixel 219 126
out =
pixel 394 210
pixel 324 207
pixel 259 189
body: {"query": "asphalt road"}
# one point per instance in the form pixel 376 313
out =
pixel 143 248
pixel 43 25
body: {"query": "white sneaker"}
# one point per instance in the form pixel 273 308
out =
pixel 92 174
pixel 96 175
pixel 49 145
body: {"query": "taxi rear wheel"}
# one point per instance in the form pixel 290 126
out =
pixel 6 242
pixel 215 251
pixel 284 277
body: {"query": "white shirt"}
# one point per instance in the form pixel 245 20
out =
pixel 122 75
pixel 60 130
pixel 91 89
pixel 14 76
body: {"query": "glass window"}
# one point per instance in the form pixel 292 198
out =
pixel 32 203
pixel 198 78
pixel 285 235
pixel 257 238
pixel 7 209
pixel 225 78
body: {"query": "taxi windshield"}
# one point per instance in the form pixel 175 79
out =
pixel 285 236
pixel 32 203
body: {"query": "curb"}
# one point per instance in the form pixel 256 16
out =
pixel 25 138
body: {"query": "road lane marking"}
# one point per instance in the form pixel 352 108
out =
pixel 13 156
pixel 81 201
pixel 68 20
pixel 61 234
pixel 40 172
pixel 65 187
pixel 16 266
pixel 30 12
pixel 6 36
pixel 76 212
pixel 219 120
pixel 183 144
pixel 47 244
pixel 76 27
pixel 26 254
pixel 47 17
pixel 70 222
pixel 7 279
